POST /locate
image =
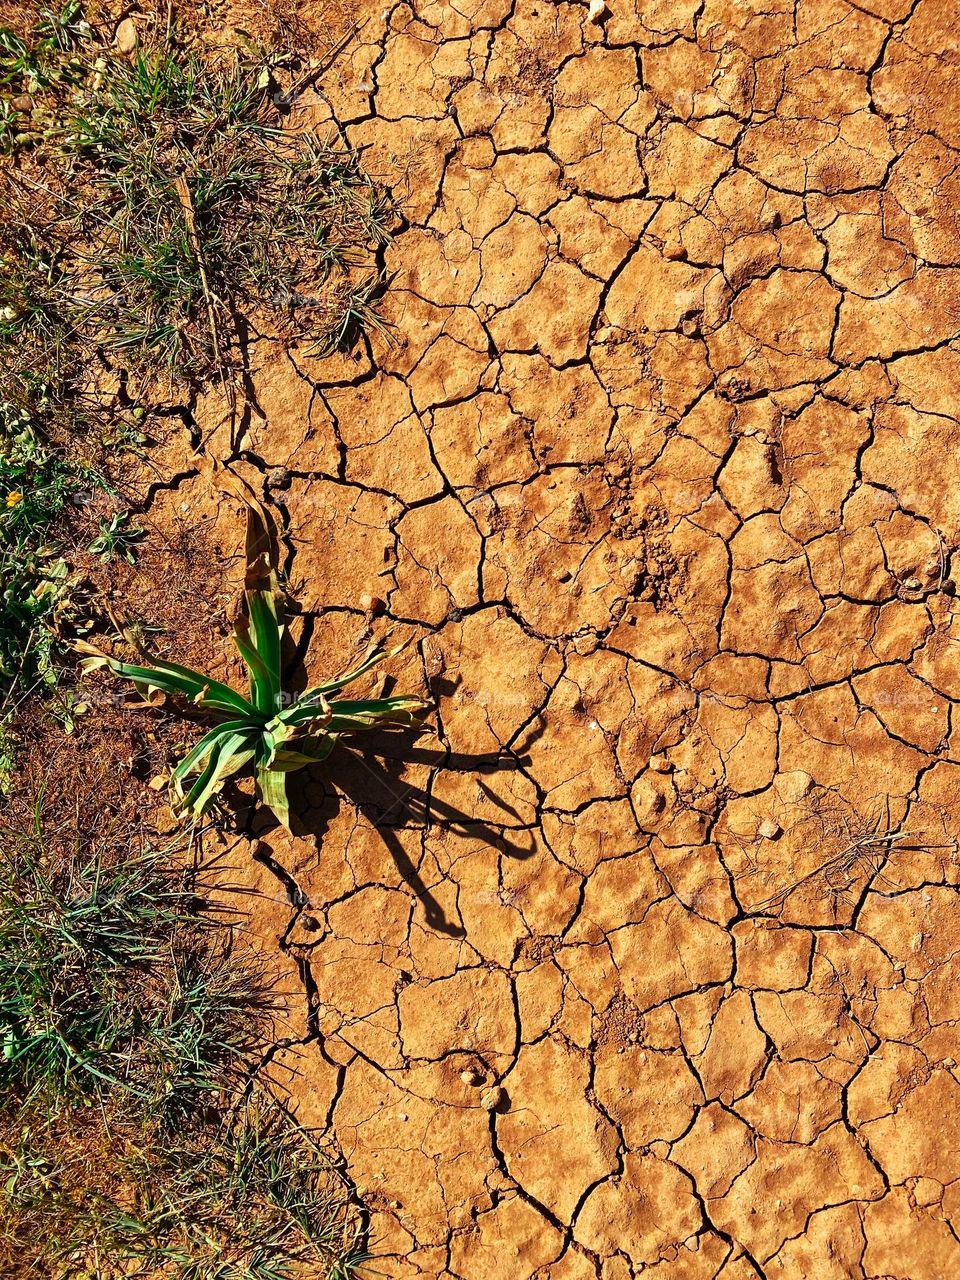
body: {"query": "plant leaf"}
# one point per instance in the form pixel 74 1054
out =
pixel 309 751
pixel 257 634
pixel 374 655
pixel 230 754
pixel 317 710
pixel 282 735
pixel 258 631
pixel 197 758
pixel 398 712
pixel 272 784
pixel 170 678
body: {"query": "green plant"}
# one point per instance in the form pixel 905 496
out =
pixel 266 730
pixel 38 487
pixel 117 537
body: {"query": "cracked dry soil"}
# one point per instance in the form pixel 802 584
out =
pixel 659 473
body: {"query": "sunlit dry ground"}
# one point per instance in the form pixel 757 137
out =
pixel 658 470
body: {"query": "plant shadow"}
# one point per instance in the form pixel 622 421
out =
pixel 376 779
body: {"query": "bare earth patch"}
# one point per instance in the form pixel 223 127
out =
pixel 648 961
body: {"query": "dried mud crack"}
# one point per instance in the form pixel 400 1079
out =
pixel 657 469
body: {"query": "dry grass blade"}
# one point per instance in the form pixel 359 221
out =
pixel 190 218
pixel 861 857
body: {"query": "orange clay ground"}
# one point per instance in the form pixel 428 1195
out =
pixel 645 963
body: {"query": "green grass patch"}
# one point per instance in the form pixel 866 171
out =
pixel 109 978
pixel 164 200
pixel 130 1143
pixel 101 1197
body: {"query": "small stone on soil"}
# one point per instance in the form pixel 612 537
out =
pixel 126 40
pixel 490 1099
pixel 769 829
pixel 372 604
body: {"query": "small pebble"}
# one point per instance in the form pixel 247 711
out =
pixel 660 764
pixel 22 102
pixel 597 9
pixel 371 604
pixel 473 1078
pixel 490 1099
pixel 769 829
pixel 126 40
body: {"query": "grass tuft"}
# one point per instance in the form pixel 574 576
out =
pixel 99 1195
pixel 172 201
pixel 135 1140
pixel 109 978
